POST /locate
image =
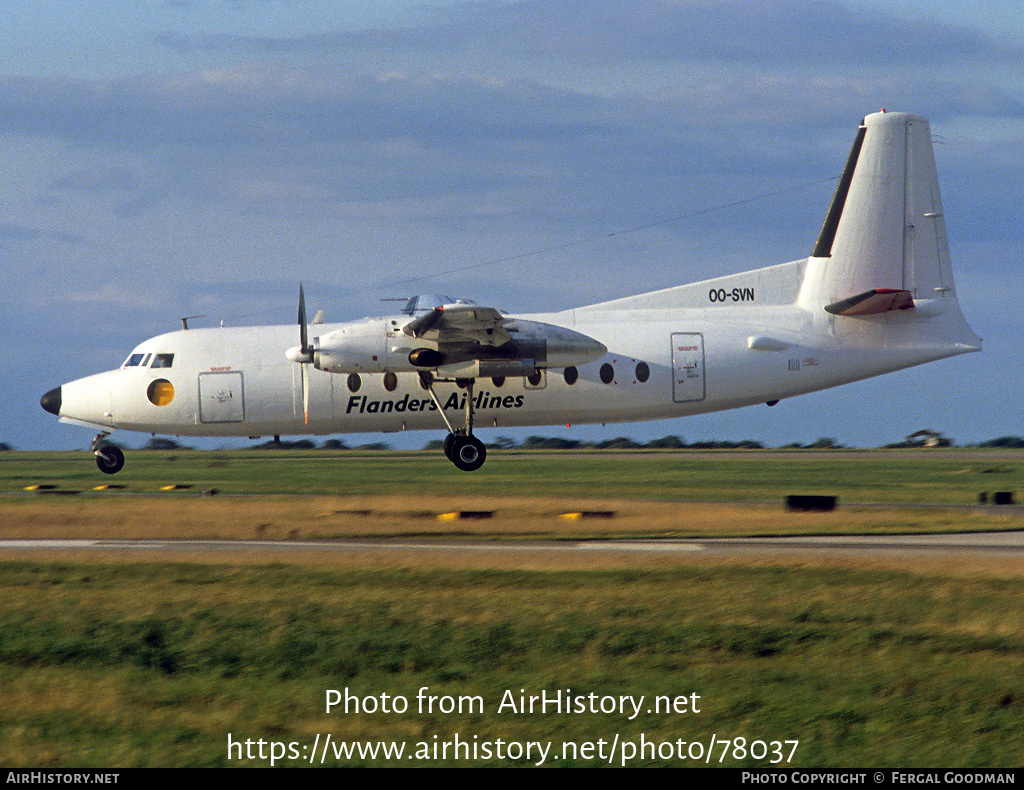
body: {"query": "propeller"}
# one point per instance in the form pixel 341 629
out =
pixel 304 348
pixel 303 354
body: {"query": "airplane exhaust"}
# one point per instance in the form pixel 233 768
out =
pixel 426 358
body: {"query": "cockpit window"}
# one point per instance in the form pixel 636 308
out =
pixel 163 361
pixel 133 361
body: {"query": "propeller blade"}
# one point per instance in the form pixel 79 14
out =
pixel 305 394
pixel 303 354
pixel 303 335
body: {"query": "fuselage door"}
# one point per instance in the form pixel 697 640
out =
pixel 221 397
pixel 687 367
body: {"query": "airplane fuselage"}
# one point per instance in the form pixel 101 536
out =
pixel 661 363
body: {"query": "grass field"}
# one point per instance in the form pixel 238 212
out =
pixel 111 662
pixel 323 495
pixel 929 477
pixel 154 664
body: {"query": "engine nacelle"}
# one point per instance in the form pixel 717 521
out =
pixel 374 346
pixel 355 348
pixel 369 347
pixel 552 346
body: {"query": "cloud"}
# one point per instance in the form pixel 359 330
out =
pixel 453 149
pixel 110 295
pixel 264 133
pixel 750 32
pixel 808 32
pixel 98 178
pixel 12 232
pixel 251 104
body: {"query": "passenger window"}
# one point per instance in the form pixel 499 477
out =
pixel 163 360
pixel 133 361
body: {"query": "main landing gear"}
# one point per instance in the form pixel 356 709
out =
pixel 465 451
pixel 461 447
pixel 109 458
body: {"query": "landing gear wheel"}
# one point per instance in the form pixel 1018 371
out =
pixel 109 459
pixel 449 440
pixel 467 452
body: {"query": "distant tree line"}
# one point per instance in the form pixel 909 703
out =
pixel 1004 441
pixel 619 443
pixel 557 443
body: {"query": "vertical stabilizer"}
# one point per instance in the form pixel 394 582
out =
pixel 883 243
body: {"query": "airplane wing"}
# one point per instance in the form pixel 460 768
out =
pixel 461 323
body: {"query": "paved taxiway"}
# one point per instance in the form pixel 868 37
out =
pixel 975 544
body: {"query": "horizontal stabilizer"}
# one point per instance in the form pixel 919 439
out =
pixel 877 300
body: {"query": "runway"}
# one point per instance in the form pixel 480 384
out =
pixel 976 544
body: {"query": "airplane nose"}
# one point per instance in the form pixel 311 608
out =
pixel 51 401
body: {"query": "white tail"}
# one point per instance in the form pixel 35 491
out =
pixel 885 233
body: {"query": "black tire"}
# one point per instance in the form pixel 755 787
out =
pixel 449 440
pixel 468 453
pixel 110 460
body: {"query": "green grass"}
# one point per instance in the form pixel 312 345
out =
pixel 155 663
pixel 125 663
pixel 924 477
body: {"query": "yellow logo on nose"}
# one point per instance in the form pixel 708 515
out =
pixel 160 392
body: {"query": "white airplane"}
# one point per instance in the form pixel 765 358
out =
pixel 875 295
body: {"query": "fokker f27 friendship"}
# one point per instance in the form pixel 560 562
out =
pixel 875 295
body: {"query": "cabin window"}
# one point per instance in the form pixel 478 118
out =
pixel 607 373
pixel 133 361
pixel 643 372
pixel 390 381
pixel 571 375
pixel 163 361
pixel 354 382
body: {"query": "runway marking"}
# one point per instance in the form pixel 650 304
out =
pixel 640 546
pixel 962 543
pixel 48 544
pixel 349 545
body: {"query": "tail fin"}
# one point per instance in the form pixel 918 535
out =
pixel 883 244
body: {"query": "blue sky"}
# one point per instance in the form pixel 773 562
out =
pixel 179 157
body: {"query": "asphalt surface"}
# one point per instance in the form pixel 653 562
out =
pixel 976 544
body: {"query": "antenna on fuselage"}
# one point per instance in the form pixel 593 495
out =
pixel 186 318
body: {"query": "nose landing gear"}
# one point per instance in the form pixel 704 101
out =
pixel 109 458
